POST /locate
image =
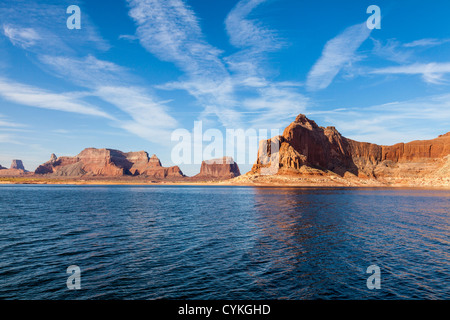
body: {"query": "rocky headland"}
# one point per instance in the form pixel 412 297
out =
pixel 309 153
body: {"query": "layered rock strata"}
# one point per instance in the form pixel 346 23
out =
pixel 219 169
pixel 306 148
pixel 108 162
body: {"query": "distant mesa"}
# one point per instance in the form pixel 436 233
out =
pixel 218 169
pixel 108 163
pixel 17 164
pixel 17 169
pixel 308 149
pixel 93 162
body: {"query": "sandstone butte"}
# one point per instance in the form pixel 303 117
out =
pixel 108 163
pixel 307 150
pixel 17 164
pixel 17 169
pixel 218 169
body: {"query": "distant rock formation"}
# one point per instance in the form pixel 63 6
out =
pixel 218 169
pixel 17 164
pixel 306 148
pixel 108 162
pixel 16 169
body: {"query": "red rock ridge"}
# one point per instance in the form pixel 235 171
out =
pixel 305 144
pixel 108 162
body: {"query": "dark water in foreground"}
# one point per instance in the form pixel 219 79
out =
pixel 223 242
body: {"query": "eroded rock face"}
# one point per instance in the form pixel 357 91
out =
pixel 108 162
pixel 222 168
pixel 17 169
pixel 305 144
pixel 152 167
pixel 17 164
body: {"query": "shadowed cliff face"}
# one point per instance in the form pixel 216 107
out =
pixel 17 164
pixel 108 162
pixel 305 144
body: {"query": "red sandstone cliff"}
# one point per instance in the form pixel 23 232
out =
pixel 304 146
pixel 218 169
pixel 108 162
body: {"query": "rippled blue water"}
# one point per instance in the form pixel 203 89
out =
pixel 135 242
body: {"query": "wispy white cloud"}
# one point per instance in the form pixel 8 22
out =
pixel 276 105
pixel 430 72
pixel 216 98
pixel 252 37
pixel 35 38
pixel 146 116
pixel 245 32
pixel 24 37
pixel 129 37
pixel 392 50
pixel 393 122
pixel 61 54
pixel 34 24
pixel 170 30
pixel 404 54
pixel 138 103
pixel 9 139
pixel 149 118
pixel 337 53
pixel 87 71
pixel 270 103
pixel 36 97
pixel 426 43
pixel 5 122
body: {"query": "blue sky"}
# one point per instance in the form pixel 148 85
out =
pixel 137 70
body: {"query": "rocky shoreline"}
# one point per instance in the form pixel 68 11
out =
pixel 274 182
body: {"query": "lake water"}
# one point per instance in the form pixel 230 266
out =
pixel 153 242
